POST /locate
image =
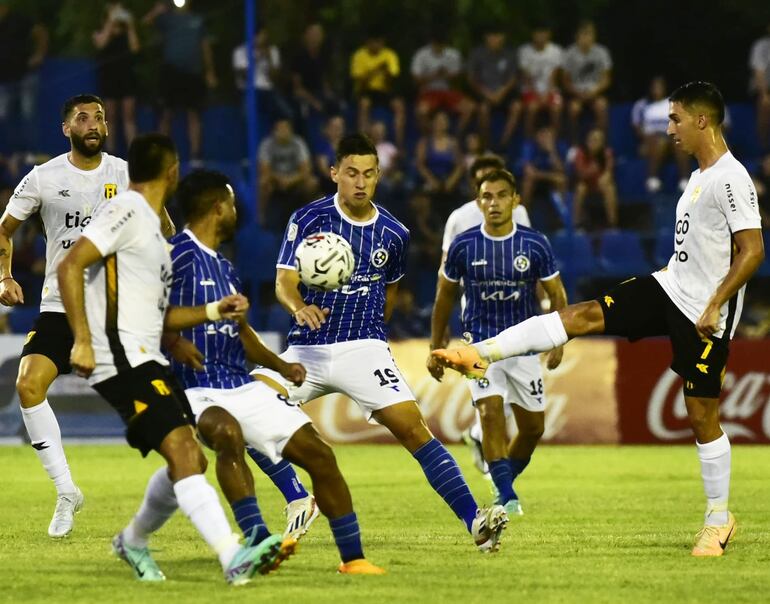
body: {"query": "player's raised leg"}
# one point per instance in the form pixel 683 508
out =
pixel 406 423
pixel 301 509
pixel 36 374
pixel 306 449
pixel 222 432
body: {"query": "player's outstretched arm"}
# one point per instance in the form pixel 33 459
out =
pixel 71 278
pixel 446 292
pixel 233 307
pixel 287 294
pixel 258 353
pixel 554 289
pixel 10 290
pixel 749 254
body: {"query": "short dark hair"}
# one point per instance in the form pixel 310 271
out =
pixel 482 162
pixel 199 190
pixel 355 144
pixel 498 175
pixel 148 155
pixel 78 99
pixel 703 94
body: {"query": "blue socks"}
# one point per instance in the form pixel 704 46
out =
pixel 282 474
pixel 249 518
pixel 502 475
pixel 347 536
pixel 447 480
pixel 518 465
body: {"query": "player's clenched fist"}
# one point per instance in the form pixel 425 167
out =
pixel 312 316
pixel 10 292
pixel 233 307
pixel 82 358
pixel 294 372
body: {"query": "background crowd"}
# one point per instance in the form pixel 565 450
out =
pixel 579 121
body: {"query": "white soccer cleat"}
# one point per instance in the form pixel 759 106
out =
pixel 487 528
pixel 67 505
pixel 300 514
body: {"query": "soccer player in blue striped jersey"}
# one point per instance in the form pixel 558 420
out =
pixel 499 264
pixel 340 336
pixel 232 408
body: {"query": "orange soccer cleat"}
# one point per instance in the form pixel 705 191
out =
pixel 712 540
pixel 360 566
pixel 466 360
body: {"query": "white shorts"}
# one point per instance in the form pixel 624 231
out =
pixel 267 419
pixel 518 380
pixel 364 370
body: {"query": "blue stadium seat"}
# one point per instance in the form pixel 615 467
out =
pixel 622 138
pixel 621 254
pixel 224 133
pixel 574 254
pixel 630 177
pixel 256 251
pixel 742 134
pixel 21 318
pixel 764 268
pixel 664 247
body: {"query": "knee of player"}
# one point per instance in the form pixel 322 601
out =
pixel 30 389
pixel 220 430
pixel 533 430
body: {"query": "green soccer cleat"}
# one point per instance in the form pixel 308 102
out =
pixel 138 558
pixel 261 558
pixel 513 508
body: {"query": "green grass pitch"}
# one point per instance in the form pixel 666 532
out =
pixel 602 524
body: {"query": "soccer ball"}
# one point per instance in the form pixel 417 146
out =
pixel 324 261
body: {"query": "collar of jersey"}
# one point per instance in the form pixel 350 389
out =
pixel 347 218
pixel 74 168
pixel 197 242
pixel 724 155
pixel 508 236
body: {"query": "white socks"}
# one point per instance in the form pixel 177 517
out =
pixel 158 506
pixel 537 334
pixel 200 503
pixel 715 471
pixel 475 429
pixel 45 436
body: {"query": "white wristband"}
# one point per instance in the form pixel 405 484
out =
pixel 212 311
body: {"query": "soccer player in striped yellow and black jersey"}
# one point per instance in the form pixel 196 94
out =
pixel 696 300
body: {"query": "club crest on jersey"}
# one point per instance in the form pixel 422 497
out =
pixel 110 190
pixel 379 257
pixel 521 263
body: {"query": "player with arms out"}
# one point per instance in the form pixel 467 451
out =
pixel 696 300
pixel 340 336
pixel 500 264
pixel 229 405
pixel 64 191
pixel 117 332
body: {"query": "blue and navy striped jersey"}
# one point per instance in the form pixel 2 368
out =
pixel 380 248
pixel 499 275
pixel 201 275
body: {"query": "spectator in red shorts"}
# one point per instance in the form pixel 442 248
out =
pixel 435 69
pixel 587 76
pixel 492 75
pixel 594 165
pixel 540 62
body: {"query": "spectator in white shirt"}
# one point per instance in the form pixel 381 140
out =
pixel 759 62
pixel 540 62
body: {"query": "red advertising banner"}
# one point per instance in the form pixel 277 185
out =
pixel 651 404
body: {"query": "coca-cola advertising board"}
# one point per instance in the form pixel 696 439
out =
pixel 651 404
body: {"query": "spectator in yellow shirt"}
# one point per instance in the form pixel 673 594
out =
pixel 373 68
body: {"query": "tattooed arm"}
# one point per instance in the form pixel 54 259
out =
pixel 10 291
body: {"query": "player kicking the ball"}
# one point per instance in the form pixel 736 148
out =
pixel 340 336
pixel 696 300
pixel 500 264
pixel 231 407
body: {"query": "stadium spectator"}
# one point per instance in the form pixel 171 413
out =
pixel 439 163
pixel 187 67
pixel 759 63
pixel 473 147
pixel 23 46
pixel 117 45
pixel 649 117
pixel 391 173
pixel 373 69
pixel 492 75
pixel 761 180
pixel 587 76
pixel 286 178
pixel 325 149
pixel 540 62
pixel 267 64
pixel 543 168
pixel 436 68
pixel 594 164
pixel 310 77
